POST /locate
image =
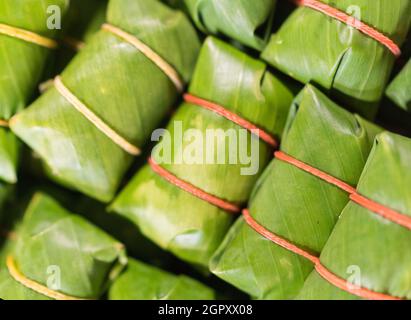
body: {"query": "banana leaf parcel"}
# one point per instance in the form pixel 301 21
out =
pixel 5 192
pixel 184 220
pixel 399 90
pixel 83 20
pixel 294 204
pixel 369 250
pixel 59 255
pixel 248 22
pixel 25 42
pixel 103 108
pixel 355 67
pixel 143 282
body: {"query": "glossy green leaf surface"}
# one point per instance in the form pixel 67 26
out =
pixel 22 62
pixel 176 220
pixel 294 204
pixel 365 248
pixel 311 46
pixel 121 86
pixel 83 20
pixel 81 17
pixel 143 282
pixel 248 22
pixel 5 191
pixel 399 90
pixel 21 67
pixel 62 251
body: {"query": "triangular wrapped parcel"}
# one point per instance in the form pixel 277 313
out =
pixel 399 90
pixel 143 282
pixel 5 191
pixel 248 22
pixel 22 62
pixel 365 249
pixel 180 221
pixel 294 204
pixel 313 47
pixel 59 255
pixel 108 100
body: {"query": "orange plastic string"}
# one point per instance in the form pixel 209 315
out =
pixel 314 171
pixel 95 119
pixel 197 192
pixel 350 288
pixel 263 135
pixel 162 64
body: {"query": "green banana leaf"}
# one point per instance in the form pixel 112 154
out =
pixel 143 282
pixel 123 230
pixel 311 46
pixel 62 251
pixel 248 22
pixel 83 20
pixel 119 84
pixel 399 90
pixel 9 155
pixel 81 17
pixel 21 67
pixel 176 220
pixel 293 204
pixel 364 248
pixel 5 247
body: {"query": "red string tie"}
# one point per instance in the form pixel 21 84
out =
pixel 352 22
pixel 195 191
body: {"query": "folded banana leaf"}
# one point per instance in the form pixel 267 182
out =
pixel 5 245
pixel 83 20
pixel 93 211
pixel 399 90
pixel 125 90
pixel 366 249
pixel 21 67
pixel 9 154
pixel 81 17
pixel 62 253
pixel 143 282
pixel 22 61
pixel 294 204
pixel 248 22
pixel 123 230
pixel 310 46
pixel 178 221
